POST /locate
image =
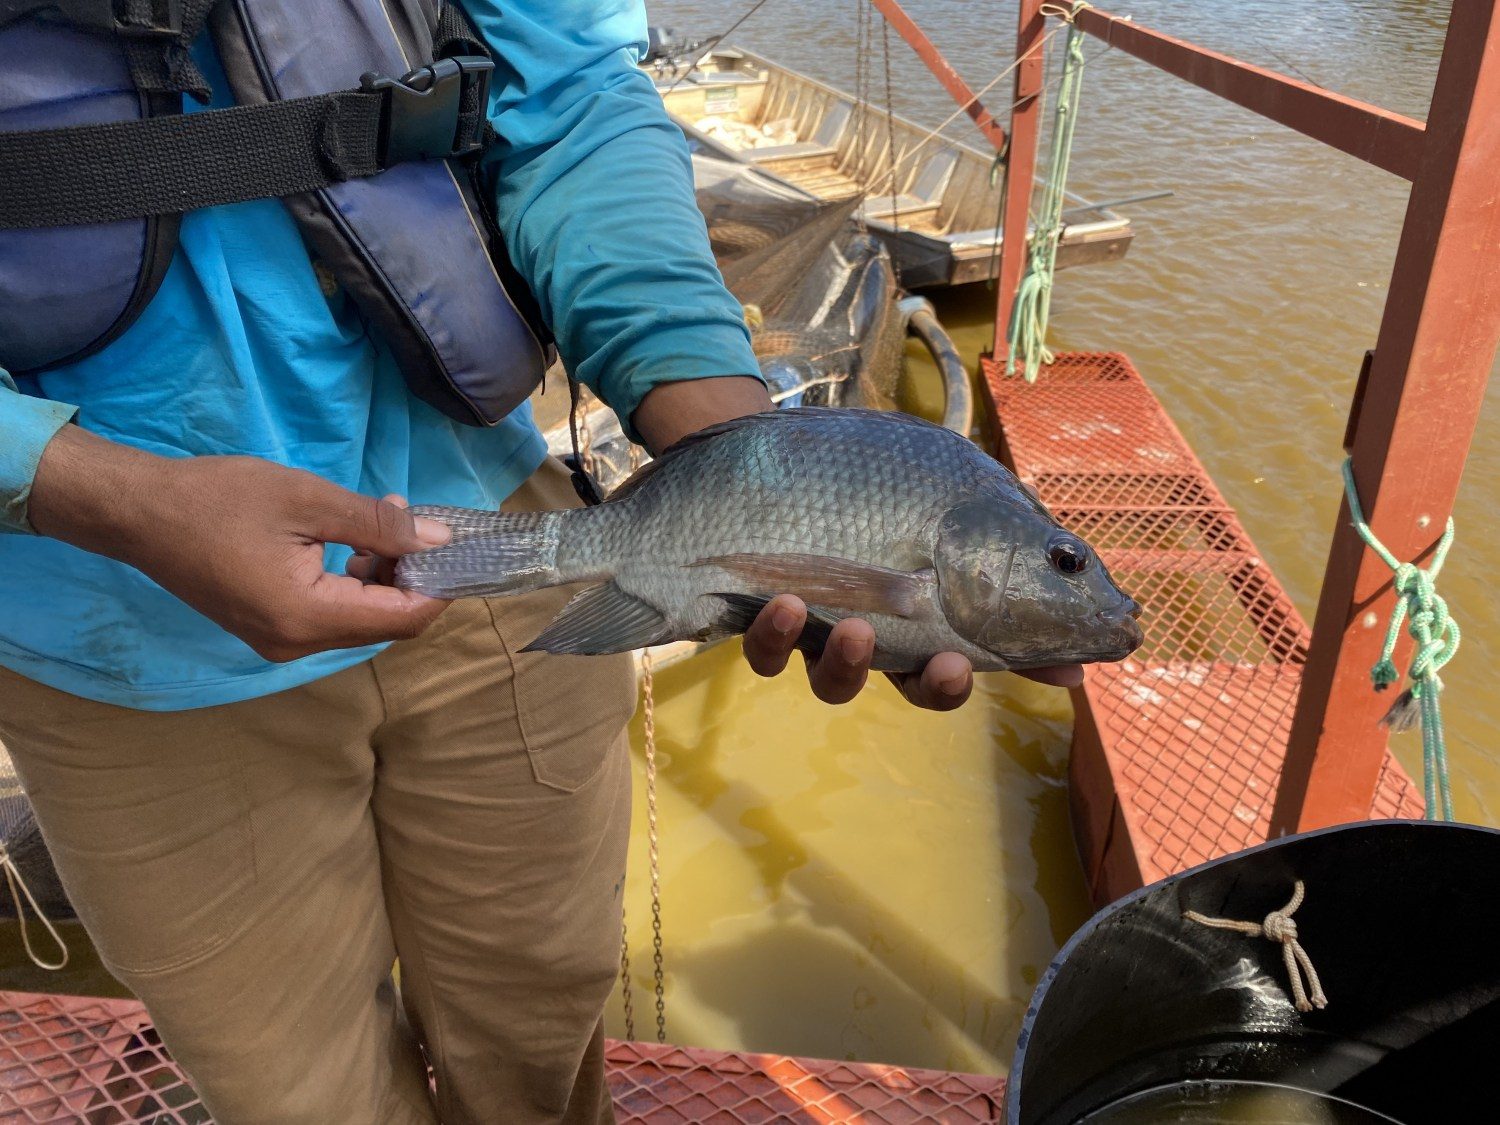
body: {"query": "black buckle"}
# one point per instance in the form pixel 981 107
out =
pixel 436 112
pixel 166 20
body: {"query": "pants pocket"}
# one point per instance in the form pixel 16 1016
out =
pixel 570 709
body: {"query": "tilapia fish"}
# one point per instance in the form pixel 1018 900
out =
pixel 860 513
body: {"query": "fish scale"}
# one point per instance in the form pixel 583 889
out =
pixel 861 513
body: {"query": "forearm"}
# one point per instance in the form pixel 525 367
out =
pixel 595 197
pixel 96 494
pixel 671 411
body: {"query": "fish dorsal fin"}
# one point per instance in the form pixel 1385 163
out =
pixel 601 620
pixel 749 421
pixel 681 446
pixel 834 583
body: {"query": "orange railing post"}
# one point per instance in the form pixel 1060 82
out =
pixel 1411 425
pixel 1020 165
pixel 917 39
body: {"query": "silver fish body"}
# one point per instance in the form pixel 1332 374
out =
pixel 861 513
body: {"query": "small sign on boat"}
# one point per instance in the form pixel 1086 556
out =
pixel 721 99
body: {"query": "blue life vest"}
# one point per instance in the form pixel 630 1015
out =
pixel 98 162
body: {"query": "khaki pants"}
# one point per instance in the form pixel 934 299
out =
pixel 250 871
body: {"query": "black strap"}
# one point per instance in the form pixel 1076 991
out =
pixel 456 35
pixel 164 165
pixel 167 165
pixel 95 15
pixel 156 35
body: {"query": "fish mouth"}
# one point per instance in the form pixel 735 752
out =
pixel 1127 636
pixel 1123 621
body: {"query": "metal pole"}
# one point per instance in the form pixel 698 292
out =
pixel 1020 167
pixel 1377 136
pixel 955 85
pixel 1410 429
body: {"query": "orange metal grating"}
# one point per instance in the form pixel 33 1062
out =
pixel 81 1059
pixel 1177 754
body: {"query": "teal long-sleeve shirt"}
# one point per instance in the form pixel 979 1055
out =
pixel 241 352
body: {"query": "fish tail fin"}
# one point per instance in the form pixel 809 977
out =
pixel 490 553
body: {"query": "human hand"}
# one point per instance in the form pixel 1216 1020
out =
pixel 239 539
pixel 840 672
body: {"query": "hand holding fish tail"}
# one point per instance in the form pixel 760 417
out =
pixel 239 539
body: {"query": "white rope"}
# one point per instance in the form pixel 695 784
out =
pixel 1279 926
pixel 14 878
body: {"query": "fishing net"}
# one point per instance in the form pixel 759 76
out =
pixel 820 300
pixel 819 292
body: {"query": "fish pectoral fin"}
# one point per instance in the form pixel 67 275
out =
pixel 740 610
pixel 837 583
pixel 601 620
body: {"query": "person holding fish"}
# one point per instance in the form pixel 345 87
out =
pixel 270 759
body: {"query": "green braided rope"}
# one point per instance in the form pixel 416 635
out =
pixel 1436 636
pixel 1027 331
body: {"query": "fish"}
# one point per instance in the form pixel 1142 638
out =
pixel 860 513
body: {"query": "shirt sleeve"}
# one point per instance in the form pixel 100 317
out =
pixel 26 426
pixel 594 189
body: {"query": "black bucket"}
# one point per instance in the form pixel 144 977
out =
pixel 1146 1016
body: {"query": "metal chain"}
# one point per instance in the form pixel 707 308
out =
pixel 625 993
pixel 585 436
pixel 648 713
pixel 863 36
pixel 653 845
pixel 890 143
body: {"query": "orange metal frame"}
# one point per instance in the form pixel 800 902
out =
pixel 1415 409
pixel 917 39
pixel 67 1059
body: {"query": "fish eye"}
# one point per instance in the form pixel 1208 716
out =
pixel 1068 555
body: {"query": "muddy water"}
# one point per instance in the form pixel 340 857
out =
pixel 873 883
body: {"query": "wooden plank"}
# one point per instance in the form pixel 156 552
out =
pixel 1377 136
pixel 1413 425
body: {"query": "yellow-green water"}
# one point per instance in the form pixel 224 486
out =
pixel 846 882
pixel 874 882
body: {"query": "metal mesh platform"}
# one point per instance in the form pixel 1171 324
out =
pixel 1178 750
pixel 79 1059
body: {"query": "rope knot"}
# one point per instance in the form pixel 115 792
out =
pixel 1278 926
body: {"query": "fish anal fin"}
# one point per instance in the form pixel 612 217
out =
pixel 841 584
pixel 601 620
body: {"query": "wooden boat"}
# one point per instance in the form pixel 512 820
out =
pixel 934 204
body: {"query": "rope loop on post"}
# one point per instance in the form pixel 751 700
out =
pixel 1026 335
pixel 1436 636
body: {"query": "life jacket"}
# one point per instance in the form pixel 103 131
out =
pixel 366 117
